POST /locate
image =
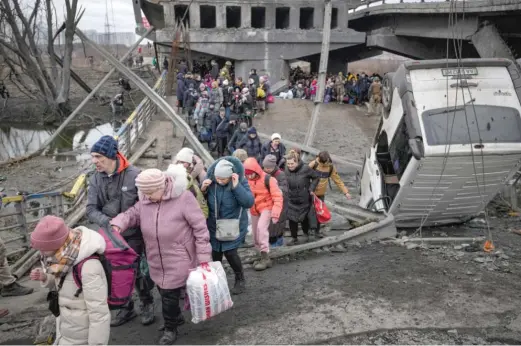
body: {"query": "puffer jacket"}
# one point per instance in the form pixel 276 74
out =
pixel 171 251
pixel 181 87
pixel 229 202
pixel 264 199
pixel 219 126
pixel 84 320
pixel 183 179
pixel 216 96
pixel 237 137
pixel 323 170
pixel 301 183
pixel 253 146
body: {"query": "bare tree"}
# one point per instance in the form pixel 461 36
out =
pixel 19 46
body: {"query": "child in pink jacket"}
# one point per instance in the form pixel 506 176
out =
pixel 176 238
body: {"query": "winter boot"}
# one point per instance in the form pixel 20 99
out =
pixel 240 284
pixel 293 242
pixel 123 316
pixel 147 314
pixel 169 337
pixel 264 263
pixel 15 290
pixel 180 322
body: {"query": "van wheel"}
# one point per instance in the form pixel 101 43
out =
pixel 387 93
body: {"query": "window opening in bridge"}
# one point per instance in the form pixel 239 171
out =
pixel 306 17
pixel 258 17
pixel 179 11
pixel 282 18
pixel 334 18
pixel 233 16
pixel 208 16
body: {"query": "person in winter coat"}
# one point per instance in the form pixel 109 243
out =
pixel 216 94
pixel 237 137
pixel 215 69
pixel 254 76
pixel 182 178
pixel 165 64
pixel 220 130
pixel 241 154
pixel 323 166
pixel 112 190
pixel 251 144
pixel 276 148
pixel 189 79
pixel 180 92
pixel 339 87
pixel 190 99
pixel 277 229
pixel 202 107
pixel 302 182
pixel 85 319
pixel 229 197
pixel 227 96
pixel 168 214
pixel 261 95
pixel 267 208
pixel 193 164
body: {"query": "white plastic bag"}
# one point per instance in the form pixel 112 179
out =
pixel 208 292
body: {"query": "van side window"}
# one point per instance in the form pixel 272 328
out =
pixel 399 149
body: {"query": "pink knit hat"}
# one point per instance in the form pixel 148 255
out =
pixel 50 234
pixel 150 181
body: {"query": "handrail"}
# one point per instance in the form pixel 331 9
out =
pixel 367 4
pixel 29 209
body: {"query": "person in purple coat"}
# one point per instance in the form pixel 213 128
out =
pixel 176 239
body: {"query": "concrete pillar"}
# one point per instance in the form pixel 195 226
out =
pixel 220 16
pixel 294 17
pixel 270 16
pixel 489 43
pixel 195 16
pixel 168 9
pixel 246 16
pixel 277 69
pixel 318 17
pixel 342 15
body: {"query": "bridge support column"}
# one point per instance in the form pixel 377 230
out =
pixel 195 16
pixel 489 43
pixel 294 17
pixel 275 68
pixel 246 16
pixel 220 16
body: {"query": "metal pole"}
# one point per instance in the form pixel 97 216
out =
pixel 154 97
pixel 84 102
pixel 322 74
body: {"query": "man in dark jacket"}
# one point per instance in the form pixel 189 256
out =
pixel 254 76
pixel 112 190
pixel 237 137
pixel 276 148
pixel 251 143
pixel 220 130
pixel 180 92
pixel 165 64
pixel 215 70
pixel 190 99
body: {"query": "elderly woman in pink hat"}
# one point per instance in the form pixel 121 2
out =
pixel 84 319
pixel 176 238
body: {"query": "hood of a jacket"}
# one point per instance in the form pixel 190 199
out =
pixel 172 190
pixel 180 76
pixel 237 167
pixel 178 173
pixel 252 164
pixel 122 162
pixel 91 242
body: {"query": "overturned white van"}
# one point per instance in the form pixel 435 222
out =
pixel 449 138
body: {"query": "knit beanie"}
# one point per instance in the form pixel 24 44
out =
pixel 275 136
pixel 106 146
pixel 150 180
pixel 223 169
pixel 241 154
pixel 185 155
pixel 50 234
pixel 243 126
pixel 270 162
pixel 252 131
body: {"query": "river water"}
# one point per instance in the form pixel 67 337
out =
pixel 18 140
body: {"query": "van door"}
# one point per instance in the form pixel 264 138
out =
pixel 371 183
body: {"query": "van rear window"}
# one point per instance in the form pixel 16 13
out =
pixel 493 124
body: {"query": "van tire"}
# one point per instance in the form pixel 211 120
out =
pixel 387 93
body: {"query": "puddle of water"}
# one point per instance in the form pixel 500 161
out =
pixel 17 140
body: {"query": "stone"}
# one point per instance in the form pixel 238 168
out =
pixel 458 247
pixel 402 234
pixel 338 248
pixel 452 332
pixel 411 246
pixel 480 259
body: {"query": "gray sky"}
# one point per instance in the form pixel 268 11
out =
pixel 94 16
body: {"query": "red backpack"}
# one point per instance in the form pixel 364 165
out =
pixel 120 264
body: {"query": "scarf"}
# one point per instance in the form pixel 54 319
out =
pixel 63 260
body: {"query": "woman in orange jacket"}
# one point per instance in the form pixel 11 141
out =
pixel 268 206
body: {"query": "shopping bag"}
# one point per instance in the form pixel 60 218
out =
pixel 323 214
pixel 270 99
pixel 207 291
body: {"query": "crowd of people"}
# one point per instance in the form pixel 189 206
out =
pixel 172 220
pixel 350 88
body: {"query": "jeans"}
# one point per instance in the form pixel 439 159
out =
pixel 170 304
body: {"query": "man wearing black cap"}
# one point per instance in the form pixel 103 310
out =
pixel 112 190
